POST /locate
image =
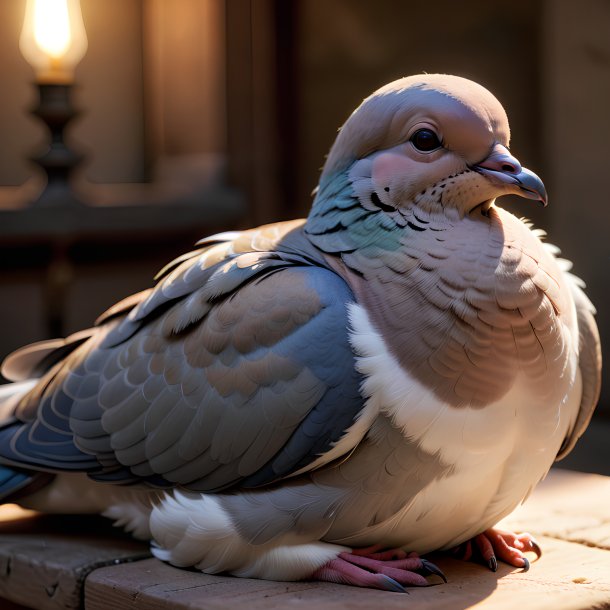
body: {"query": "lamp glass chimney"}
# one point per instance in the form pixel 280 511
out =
pixel 53 39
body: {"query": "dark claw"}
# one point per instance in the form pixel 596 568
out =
pixel 536 548
pixel 493 563
pixel 429 568
pixel 526 564
pixel 391 585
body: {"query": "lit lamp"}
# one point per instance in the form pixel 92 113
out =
pixel 53 41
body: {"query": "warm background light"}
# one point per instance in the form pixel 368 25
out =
pixel 53 39
pixel 52 27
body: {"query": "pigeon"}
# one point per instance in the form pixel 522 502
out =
pixel 334 397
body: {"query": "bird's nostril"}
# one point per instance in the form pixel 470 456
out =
pixel 508 168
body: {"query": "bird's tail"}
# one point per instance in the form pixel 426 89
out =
pixel 15 481
pixel 12 481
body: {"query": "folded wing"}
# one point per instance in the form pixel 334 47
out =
pixel 235 370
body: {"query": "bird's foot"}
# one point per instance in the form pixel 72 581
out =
pixel 494 544
pixel 376 568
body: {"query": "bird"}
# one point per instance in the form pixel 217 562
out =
pixel 335 397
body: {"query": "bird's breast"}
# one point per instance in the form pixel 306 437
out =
pixel 465 468
pixel 478 304
pixel 472 353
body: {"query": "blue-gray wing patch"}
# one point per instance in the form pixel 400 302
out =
pixel 238 374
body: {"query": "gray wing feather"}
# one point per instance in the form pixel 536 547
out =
pixel 238 373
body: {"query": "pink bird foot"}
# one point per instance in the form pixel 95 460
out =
pixel 377 569
pixel 494 544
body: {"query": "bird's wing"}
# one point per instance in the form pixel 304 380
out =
pixel 236 369
pixel 33 360
pixel 590 363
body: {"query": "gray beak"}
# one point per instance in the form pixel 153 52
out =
pixel 502 169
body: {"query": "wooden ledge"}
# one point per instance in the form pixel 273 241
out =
pixel 140 217
pixel 44 562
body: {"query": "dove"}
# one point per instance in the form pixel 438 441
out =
pixel 334 397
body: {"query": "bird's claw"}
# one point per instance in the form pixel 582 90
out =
pixel 389 584
pixel 534 547
pixel 493 545
pixel 429 568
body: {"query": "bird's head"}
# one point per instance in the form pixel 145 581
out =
pixel 433 143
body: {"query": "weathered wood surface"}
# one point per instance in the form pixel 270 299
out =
pixel 569 576
pixel 569 513
pixel 44 560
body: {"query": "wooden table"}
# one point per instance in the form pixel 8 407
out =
pixel 67 562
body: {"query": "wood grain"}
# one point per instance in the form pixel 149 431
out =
pixel 44 560
pixel 68 562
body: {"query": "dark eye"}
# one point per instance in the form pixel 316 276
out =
pixel 425 140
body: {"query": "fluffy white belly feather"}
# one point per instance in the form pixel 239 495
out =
pixel 498 453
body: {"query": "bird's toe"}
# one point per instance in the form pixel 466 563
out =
pixel 372 567
pixel 495 544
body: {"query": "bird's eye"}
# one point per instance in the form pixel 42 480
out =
pixel 425 140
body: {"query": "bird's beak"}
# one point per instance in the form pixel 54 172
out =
pixel 502 169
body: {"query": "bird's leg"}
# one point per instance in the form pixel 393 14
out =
pixel 494 544
pixel 378 569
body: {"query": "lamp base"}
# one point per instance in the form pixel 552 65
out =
pixel 56 110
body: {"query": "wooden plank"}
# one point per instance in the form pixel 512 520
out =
pixel 568 576
pixel 44 560
pixel 573 573
pixel 173 211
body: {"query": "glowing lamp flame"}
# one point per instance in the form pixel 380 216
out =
pixel 52 27
pixel 53 39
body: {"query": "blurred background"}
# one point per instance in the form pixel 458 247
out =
pixel 205 115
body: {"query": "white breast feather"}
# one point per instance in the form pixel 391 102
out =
pixel 498 452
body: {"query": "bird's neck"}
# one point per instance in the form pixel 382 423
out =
pixel 461 306
pixel 342 220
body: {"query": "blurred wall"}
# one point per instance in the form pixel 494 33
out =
pixel 18 131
